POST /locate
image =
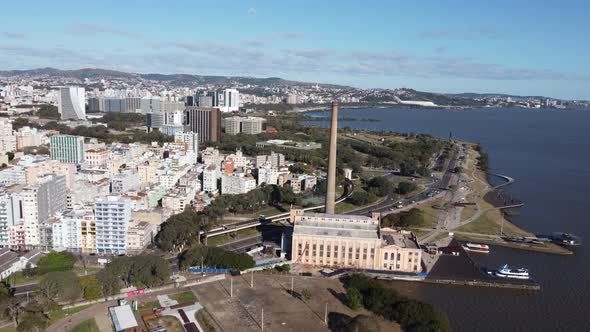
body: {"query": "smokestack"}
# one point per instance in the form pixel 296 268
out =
pixel 331 190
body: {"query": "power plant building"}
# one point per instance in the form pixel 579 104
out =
pixel 349 241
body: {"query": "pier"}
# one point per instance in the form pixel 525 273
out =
pixel 463 271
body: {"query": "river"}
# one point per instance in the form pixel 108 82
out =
pixel 547 152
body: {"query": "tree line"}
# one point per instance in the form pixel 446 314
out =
pixel 412 315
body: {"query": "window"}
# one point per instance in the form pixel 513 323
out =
pixel 385 256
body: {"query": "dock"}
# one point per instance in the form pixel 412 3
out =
pixel 463 271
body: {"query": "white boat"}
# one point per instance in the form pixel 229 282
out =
pixel 511 273
pixel 475 247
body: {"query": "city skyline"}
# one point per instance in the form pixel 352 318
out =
pixel 484 48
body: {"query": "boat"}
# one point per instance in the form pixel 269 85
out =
pixel 565 239
pixel 475 247
pixel 510 273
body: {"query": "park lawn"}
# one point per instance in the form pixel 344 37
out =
pixel 18 278
pixel 221 239
pixel 482 225
pixel 63 313
pixel 86 326
pixel 184 297
pixel 8 329
pixel 428 216
pixel 149 305
pixel 344 207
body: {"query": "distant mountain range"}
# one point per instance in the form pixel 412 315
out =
pixel 175 79
pixel 200 80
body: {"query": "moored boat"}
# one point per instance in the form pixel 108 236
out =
pixel 511 273
pixel 476 247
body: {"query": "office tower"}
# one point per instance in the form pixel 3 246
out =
pixel 206 122
pixel 231 100
pixel 331 190
pixel 72 103
pixel 112 215
pixel 67 148
pixel 114 105
pixel 189 101
pixel 208 99
pixel 150 105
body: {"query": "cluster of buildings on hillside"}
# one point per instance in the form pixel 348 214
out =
pixel 91 197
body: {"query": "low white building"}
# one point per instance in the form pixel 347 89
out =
pixel 237 183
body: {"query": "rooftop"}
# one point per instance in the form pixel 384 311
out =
pixel 399 239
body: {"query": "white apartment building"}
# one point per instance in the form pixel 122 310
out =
pixel 191 141
pixel 276 159
pixel 96 158
pixel 211 156
pixel 210 176
pixel 233 184
pixel 7 138
pixel 231 100
pixel 112 216
pixel 123 182
pixel 267 174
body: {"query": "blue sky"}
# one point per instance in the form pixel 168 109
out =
pixel 518 47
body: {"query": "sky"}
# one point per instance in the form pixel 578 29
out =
pixel 517 47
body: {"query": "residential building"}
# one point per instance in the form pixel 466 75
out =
pixel 7 137
pixel 206 122
pixel 211 156
pixel 191 141
pixel 140 235
pixel 233 125
pixel 112 216
pixel 233 184
pixel 275 159
pixel 210 176
pixel 125 181
pixel 267 174
pixel 67 148
pixel 27 136
pixel 96 158
pixel 114 105
pixel 39 203
pixel 252 125
pixel 72 103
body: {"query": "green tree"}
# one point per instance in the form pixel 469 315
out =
pixel 139 271
pixel 10 155
pixel 34 318
pixel 363 323
pixel 354 299
pixel 405 187
pixel 380 186
pixel 48 112
pixel 91 287
pixel 215 257
pixel 59 286
pixel 56 261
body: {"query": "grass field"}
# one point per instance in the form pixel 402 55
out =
pixel 8 329
pixel 184 297
pixel 86 326
pixel 62 313
pixel 221 239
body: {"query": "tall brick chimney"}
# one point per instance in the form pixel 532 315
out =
pixel 331 190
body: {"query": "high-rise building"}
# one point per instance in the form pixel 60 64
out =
pixel 206 122
pixel 189 101
pixel 208 99
pixel 115 105
pixel 191 140
pixel 133 104
pixel 231 100
pixel 39 203
pixel 150 105
pixel 67 148
pixel 7 137
pixel 95 105
pixel 10 213
pixel 112 215
pixel 72 103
